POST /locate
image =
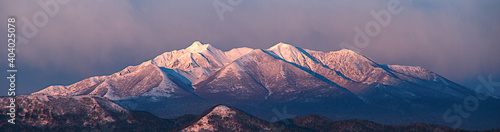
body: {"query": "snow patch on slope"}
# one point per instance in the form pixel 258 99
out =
pixel 414 71
pixel 167 87
pixel 236 53
pixel 54 90
pixel 110 94
pixel 195 74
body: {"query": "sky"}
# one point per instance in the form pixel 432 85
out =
pixel 68 40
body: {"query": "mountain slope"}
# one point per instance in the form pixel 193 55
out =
pixel 223 118
pixel 259 76
pixel 145 79
pixel 64 113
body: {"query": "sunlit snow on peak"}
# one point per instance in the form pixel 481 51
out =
pixel 281 45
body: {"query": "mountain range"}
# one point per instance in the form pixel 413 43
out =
pixel 260 75
pixel 338 85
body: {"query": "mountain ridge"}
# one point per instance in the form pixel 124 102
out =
pixel 199 60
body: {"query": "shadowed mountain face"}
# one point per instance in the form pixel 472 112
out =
pixel 338 85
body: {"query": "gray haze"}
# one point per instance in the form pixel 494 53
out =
pixel 456 39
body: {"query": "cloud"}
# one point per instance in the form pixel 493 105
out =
pixel 457 39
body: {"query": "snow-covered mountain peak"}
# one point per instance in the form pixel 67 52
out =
pixel 293 54
pixel 348 52
pixel 281 45
pixel 198 47
pixel 194 56
pixel 196 43
pixel 286 51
